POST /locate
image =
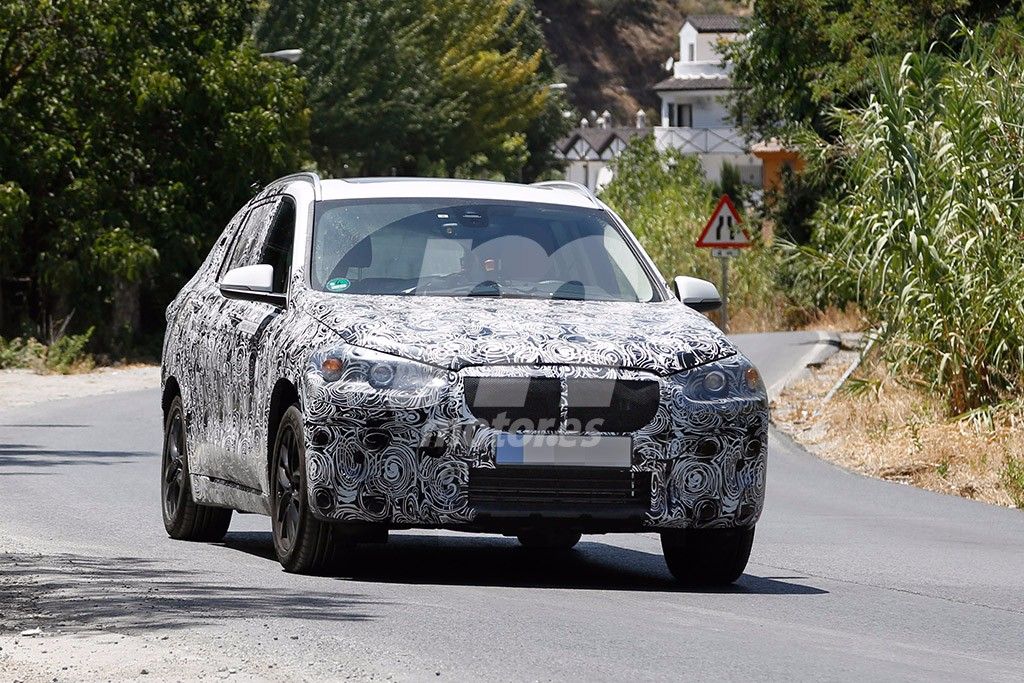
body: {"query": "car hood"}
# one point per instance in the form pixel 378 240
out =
pixel 455 332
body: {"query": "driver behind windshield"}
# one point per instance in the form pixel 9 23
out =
pixel 409 247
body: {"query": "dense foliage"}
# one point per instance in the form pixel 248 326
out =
pixel 925 230
pixel 129 132
pixel 422 87
pixel 665 200
pixel 802 58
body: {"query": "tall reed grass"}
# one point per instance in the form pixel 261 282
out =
pixel 927 232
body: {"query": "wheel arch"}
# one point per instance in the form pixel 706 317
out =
pixel 171 389
pixel 285 394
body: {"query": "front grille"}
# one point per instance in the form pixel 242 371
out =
pixel 532 404
pixel 531 401
pixel 611 405
pixel 566 489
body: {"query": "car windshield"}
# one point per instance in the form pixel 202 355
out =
pixel 446 247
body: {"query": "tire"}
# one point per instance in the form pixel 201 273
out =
pixel 707 557
pixel 554 540
pixel 184 519
pixel 303 543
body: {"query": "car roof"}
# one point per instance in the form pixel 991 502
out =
pixel 384 188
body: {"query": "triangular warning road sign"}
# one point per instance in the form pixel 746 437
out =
pixel 724 231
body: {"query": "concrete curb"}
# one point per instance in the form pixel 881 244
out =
pixel 827 344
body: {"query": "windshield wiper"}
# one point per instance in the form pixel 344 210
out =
pixel 486 288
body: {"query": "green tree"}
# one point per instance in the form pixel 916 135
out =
pixel 802 58
pixel 665 200
pixel 134 130
pixel 550 124
pixel 418 87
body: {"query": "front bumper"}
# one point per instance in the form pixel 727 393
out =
pixel 697 463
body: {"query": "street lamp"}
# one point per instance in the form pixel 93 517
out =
pixel 286 56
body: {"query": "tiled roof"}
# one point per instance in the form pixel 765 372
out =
pixel 710 83
pixel 715 23
pixel 599 138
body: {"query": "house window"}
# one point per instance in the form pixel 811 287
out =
pixel 680 115
pixel 691 51
pixel 684 115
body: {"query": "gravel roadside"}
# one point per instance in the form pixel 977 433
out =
pixel 25 387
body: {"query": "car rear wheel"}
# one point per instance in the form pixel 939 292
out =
pixel 707 557
pixel 549 539
pixel 303 543
pixel 184 519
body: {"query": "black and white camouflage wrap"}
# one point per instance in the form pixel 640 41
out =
pixel 706 455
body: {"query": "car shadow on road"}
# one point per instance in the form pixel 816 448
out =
pixel 66 591
pixel 19 455
pixel 497 561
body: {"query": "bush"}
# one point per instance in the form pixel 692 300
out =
pixel 22 353
pixel 925 232
pixel 665 200
pixel 65 355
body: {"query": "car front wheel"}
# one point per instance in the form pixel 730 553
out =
pixel 184 519
pixel 303 544
pixel 707 557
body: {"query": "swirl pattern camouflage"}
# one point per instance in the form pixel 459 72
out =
pixel 407 401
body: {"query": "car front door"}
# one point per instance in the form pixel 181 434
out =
pixel 242 326
pixel 197 321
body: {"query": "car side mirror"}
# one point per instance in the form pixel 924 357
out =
pixel 700 295
pixel 254 283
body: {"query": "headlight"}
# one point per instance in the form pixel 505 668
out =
pixel 732 377
pixel 353 376
pixel 715 382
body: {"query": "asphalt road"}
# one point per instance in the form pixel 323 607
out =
pixel 849 578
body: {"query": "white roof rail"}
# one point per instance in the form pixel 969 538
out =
pixel 570 186
pixel 308 176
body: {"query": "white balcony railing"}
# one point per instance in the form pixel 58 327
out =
pixel 707 68
pixel 700 140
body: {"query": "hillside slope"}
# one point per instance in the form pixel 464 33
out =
pixel 613 51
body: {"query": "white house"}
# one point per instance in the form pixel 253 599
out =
pixel 694 116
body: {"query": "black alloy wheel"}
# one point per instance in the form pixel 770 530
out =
pixel 303 544
pixel 184 519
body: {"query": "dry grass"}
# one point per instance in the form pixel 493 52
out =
pixel 833 319
pixel 768 318
pixel 890 431
pixel 780 314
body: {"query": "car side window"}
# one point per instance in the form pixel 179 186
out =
pixel 248 247
pixel 279 245
pixel 217 255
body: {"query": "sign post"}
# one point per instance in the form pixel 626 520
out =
pixel 724 236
